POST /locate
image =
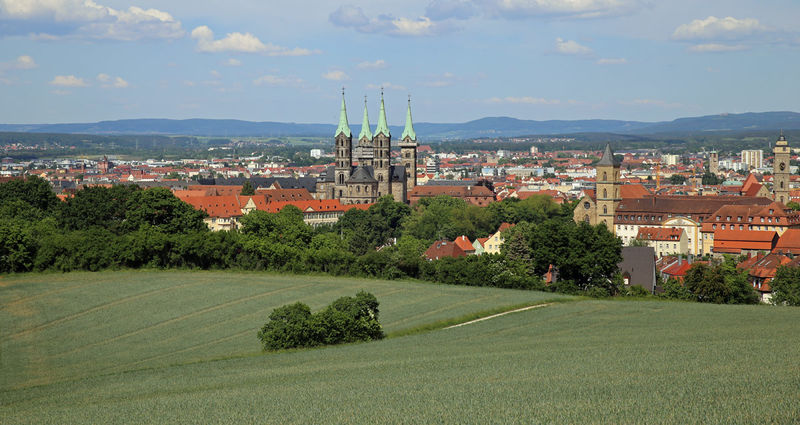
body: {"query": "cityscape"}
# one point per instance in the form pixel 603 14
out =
pixel 432 211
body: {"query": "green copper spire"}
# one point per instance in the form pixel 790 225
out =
pixel 365 131
pixel 382 126
pixel 409 130
pixel 344 126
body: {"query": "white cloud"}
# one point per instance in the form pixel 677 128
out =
pixel 716 48
pixel 612 61
pixel 239 42
pixel 108 82
pixel 233 62
pixel 275 80
pixel 335 75
pixel 517 9
pixel 214 73
pixel 443 80
pixel 24 62
pixel 570 47
pixel 348 16
pixel 713 28
pixel 378 64
pixel 524 100
pixel 68 81
pixel 386 86
pixel 87 19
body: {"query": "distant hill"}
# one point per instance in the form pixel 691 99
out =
pixel 484 127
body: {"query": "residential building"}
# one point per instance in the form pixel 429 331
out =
pixel 740 242
pixel 664 240
pixel 442 249
pixel 476 195
pixel 495 241
pixel 754 158
pixel 638 267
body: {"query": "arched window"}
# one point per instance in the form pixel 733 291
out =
pixel 586 219
pixel 341 180
pixel 605 176
pixel 605 193
pixel 605 209
pixel 781 185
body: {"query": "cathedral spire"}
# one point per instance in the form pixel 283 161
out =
pixel 408 131
pixel 382 126
pixel 344 126
pixel 365 131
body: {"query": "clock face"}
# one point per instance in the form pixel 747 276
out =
pixel 782 166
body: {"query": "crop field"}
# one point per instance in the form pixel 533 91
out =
pixel 57 327
pixel 576 362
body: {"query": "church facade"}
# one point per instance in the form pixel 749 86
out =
pixel 363 174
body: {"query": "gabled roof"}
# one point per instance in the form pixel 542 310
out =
pixel 442 249
pixel 464 243
pixel 659 234
pixel 789 242
pixel 361 175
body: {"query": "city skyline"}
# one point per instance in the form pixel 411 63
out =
pixel 76 61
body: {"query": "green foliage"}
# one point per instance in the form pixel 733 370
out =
pixel 348 319
pixel 248 189
pixel 366 230
pixel 34 191
pixel 720 283
pixel 677 179
pixel 159 208
pixel 711 179
pixel 786 286
pixel 794 206
pixel 675 290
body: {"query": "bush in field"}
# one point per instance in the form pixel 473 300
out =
pixel 348 319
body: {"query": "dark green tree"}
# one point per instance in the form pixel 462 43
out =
pixel 786 286
pixel 248 189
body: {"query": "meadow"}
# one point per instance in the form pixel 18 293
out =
pixel 162 347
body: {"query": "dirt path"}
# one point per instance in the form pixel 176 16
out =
pixel 530 307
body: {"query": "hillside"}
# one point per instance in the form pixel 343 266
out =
pixel 484 127
pixel 139 351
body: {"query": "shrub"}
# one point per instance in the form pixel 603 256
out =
pixel 348 319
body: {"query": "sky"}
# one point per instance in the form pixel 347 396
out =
pixel 459 60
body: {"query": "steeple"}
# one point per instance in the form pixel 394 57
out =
pixel 382 126
pixel 608 157
pixel 344 126
pixel 365 131
pixel 408 131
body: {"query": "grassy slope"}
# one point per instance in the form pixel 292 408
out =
pixel 589 361
pixel 57 327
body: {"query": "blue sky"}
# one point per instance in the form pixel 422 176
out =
pixel 84 61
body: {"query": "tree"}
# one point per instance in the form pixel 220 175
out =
pixel 33 190
pixel 247 189
pixel 288 327
pixel 159 208
pixel 786 286
pixel 675 290
pixel 719 283
pixel 677 179
pixel 711 179
pixel 794 206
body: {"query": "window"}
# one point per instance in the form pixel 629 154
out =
pixel 728 218
pixel 605 209
pixel 739 218
pixel 605 193
pixel 605 176
pixel 723 227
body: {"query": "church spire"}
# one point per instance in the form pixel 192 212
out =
pixel 408 131
pixel 365 131
pixel 344 126
pixel 382 126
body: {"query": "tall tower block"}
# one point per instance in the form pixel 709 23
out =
pixel 344 154
pixel 381 161
pixel 713 162
pixel 607 188
pixel 408 150
pixel 780 173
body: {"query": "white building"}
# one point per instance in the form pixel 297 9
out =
pixel 316 153
pixel 754 158
pixel 670 159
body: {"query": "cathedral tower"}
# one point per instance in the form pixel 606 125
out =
pixel 713 162
pixel 607 188
pixel 365 148
pixel 381 161
pixel 344 156
pixel 408 150
pixel 780 173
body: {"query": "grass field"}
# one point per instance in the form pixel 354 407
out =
pixel 66 344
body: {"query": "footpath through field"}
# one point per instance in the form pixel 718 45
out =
pixel 530 307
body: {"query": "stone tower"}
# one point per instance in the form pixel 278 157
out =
pixel 713 162
pixel 365 148
pixel 780 173
pixel 608 188
pixel 344 155
pixel 408 150
pixel 381 160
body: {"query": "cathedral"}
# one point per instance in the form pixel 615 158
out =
pixel 363 174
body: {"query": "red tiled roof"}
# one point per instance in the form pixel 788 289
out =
pixel 659 234
pixel 789 242
pixel 442 249
pixel 464 243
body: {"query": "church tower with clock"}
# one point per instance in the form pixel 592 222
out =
pixel 780 173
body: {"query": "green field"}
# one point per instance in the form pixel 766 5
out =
pixel 175 347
